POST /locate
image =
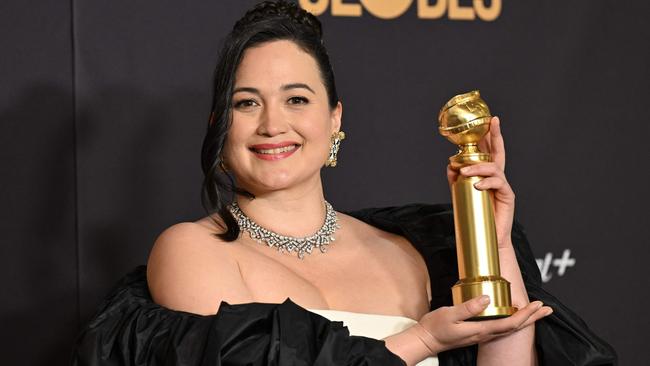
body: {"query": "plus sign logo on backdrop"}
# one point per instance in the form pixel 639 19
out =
pixel 549 265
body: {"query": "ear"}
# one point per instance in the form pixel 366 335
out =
pixel 335 116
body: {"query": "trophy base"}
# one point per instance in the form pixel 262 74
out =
pixel 496 287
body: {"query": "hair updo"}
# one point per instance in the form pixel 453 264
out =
pixel 267 21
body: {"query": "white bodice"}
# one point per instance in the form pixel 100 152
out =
pixel 372 326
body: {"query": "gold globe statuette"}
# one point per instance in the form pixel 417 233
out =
pixel 464 120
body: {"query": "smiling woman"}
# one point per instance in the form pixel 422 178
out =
pixel 282 122
pixel 213 295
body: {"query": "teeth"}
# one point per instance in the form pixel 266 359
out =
pixel 276 150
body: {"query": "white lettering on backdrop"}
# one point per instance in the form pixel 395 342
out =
pixel 561 264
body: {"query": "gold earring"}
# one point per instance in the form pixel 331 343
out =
pixel 337 137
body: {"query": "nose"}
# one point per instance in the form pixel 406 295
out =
pixel 272 122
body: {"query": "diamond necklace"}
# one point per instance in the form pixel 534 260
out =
pixel 321 239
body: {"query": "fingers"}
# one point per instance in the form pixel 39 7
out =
pixel 447 328
pixel 493 143
pixel 484 144
pixel 541 313
pixel 521 319
pixel 491 183
pixel 483 331
pixel 515 321
pixel 503 191
pixel 483 170
pixel 497 146
pixel 470 308
pixel 494 179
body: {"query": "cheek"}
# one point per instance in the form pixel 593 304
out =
pixel 317 146
pixel 325 145
pixel 318 133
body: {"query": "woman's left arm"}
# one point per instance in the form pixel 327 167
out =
pixel 517 348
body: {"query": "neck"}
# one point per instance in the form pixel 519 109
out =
pixel 296 212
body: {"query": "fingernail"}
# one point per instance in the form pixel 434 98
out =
pixel 478 185
pixel 548 312
pixel 465 170
pixel 484 300
pixel 539 305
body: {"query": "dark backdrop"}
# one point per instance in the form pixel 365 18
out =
pixel 103 106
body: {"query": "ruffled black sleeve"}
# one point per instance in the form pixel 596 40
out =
pixel 130 329
pixel 560 339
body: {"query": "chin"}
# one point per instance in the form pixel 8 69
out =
pixel 272 181
pixel 281 180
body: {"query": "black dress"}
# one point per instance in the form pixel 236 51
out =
pixel 130 329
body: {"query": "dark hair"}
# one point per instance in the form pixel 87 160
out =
pixel 267 21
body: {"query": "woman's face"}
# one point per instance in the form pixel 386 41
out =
pixel 281 120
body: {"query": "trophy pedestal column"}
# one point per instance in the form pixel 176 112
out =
pixel 477 250
pixel 465 120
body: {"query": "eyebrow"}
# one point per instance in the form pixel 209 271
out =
pixel 284 87
pixel 246 89
pixel 297 86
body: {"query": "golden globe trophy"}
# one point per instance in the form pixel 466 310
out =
pixel 464 120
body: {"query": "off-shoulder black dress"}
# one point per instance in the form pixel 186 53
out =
pixel 130 329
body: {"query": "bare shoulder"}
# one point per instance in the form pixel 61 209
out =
pixel 372 234
pixel 394 244
pixel 191 269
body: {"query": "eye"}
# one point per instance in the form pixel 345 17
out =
pixel 298 100
pixel 245 104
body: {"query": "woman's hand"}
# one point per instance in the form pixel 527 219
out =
pixel 494 178
pixel 447 328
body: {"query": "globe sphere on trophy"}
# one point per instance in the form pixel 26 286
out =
pixel 464 120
